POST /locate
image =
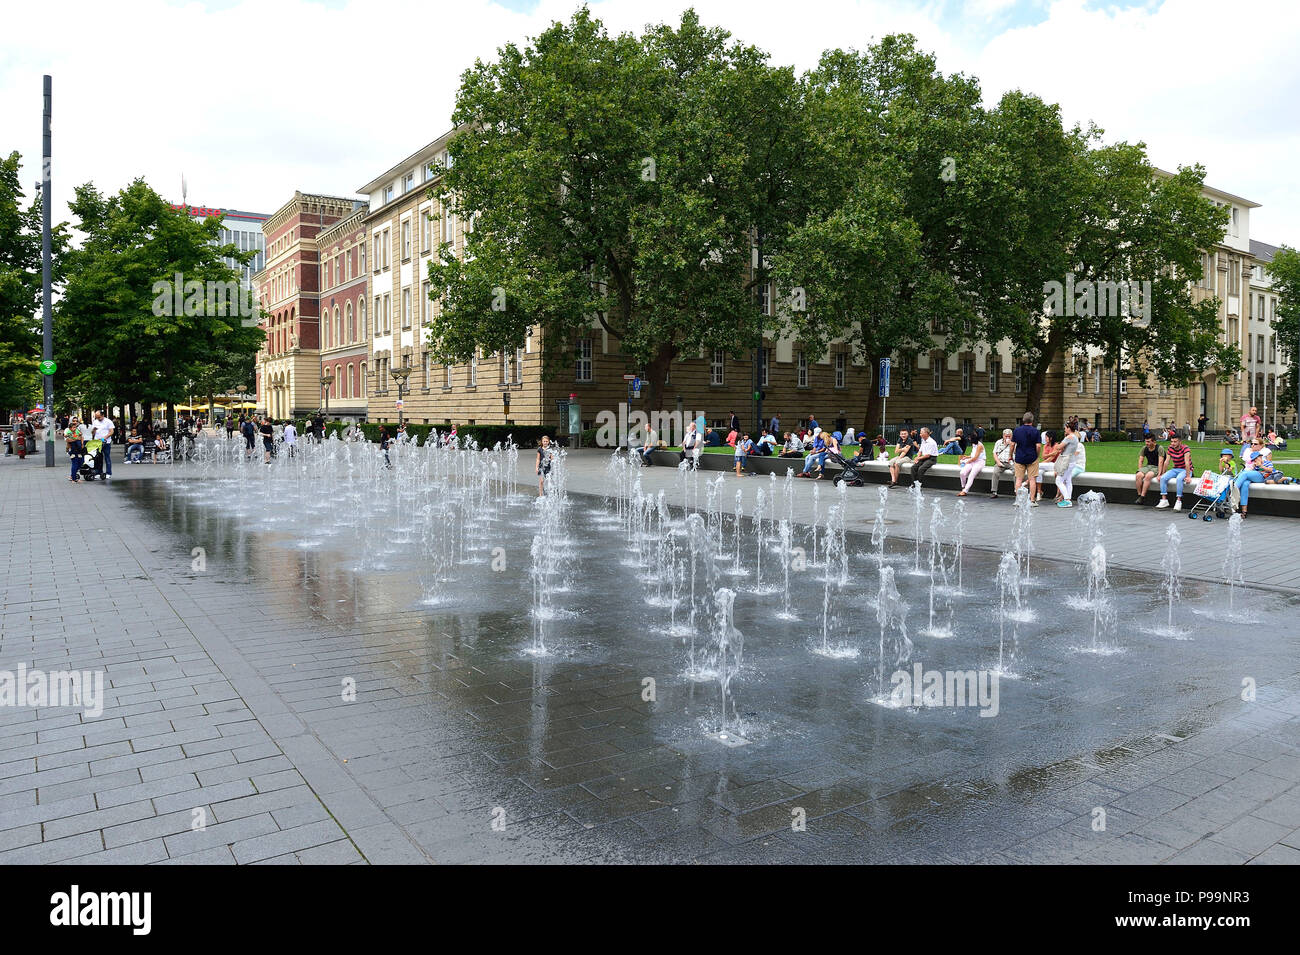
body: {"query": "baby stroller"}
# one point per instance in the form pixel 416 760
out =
pixel 849 474
pixel 1212 492
pixel 92 462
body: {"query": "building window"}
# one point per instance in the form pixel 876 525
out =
pixel 408 183
pixel 717 367
pixel 1259 346
pixel 505 367
pixel 764 367
pixel 765 298
pixel 406 308
pixel 379 255
pixel 362 379
pixel 363 256
pixel 993 374
pixel 388 193
pixel 1123 384
pixel 352 325
pixel 1096 379
pixel 473 369
pixel 582 360
pixel 426 237
pixel 406 240
pixel 1079 384
pixel 425 364
pixel 801 369
pixel 936 371
pixel 1020 377
pixel 967 371
pixel 519 366
pixel 840 361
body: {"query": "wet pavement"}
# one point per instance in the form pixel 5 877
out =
pixel 230 686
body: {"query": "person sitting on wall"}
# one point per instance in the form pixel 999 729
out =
pixel 766 446
pixel 793 447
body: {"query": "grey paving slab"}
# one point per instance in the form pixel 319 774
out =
pixel 232 705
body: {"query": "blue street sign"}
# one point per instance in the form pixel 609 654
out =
pixel 884 377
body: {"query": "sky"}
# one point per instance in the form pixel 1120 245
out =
pixel 252 100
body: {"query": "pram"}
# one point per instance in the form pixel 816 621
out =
pixel 1212 492
pixel 92 461
pixel 849 473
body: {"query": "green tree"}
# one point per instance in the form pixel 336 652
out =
pixel 1094 249
pixel 1285 270
pixel 622 182
pixel 886 249
pixel 149 303
pixel 20 289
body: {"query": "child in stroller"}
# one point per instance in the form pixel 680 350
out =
pixel 92 464
pixel 1213 490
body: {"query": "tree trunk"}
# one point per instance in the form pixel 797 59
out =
pixel 1038 378
pixel 656 372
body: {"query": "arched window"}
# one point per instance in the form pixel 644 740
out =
pixel 352 328
pixel 347 387
pixel 338 326
pixel 361 318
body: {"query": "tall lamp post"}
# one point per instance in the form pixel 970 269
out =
pixel 326 380
pixel 400 375
pixel 242 391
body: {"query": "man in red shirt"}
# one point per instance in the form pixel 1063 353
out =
pixel 1175 463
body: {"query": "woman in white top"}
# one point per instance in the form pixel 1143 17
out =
pixel 1069 463
pixel 972 463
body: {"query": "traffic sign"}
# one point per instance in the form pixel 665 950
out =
pixel 629 377
pixel 884 377
pixel 49 367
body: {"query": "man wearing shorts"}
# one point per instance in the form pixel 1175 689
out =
pixel 1028 443
pixel 903 451
pixel 1148 468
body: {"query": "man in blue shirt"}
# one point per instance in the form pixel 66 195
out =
pixel 1028 443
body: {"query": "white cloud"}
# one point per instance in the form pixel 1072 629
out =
pixel 254 100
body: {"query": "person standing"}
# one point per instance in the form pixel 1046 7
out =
pixel 76 448
pixel 741 457
pixel 1028 444
pixel 735 422
pixel 1178 459
pixel 1201 422
pixel 774 426
pixel 1003 449
pixel 691 447
pixel 544 457
pixel 1250 426
pixel 384 442
pixel 248 431
pixel 290 437
pixel 268 439
pixel 971 466
pixel 102 430
pixel 230 426
pixel 1068 465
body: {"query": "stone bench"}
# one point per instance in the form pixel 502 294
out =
pixel 1282 500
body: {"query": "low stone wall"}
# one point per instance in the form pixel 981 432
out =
pixel 1280 500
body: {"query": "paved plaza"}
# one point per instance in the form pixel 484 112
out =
pixel 222 739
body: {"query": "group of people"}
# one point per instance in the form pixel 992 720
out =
pixel 1254 465
pixel 1024 453
pixel 78 434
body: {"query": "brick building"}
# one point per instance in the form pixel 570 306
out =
pixel 288 365
pixel 344 304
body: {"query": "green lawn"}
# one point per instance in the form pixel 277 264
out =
pixel 1115 456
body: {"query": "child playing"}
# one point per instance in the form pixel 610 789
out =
pixel 743 448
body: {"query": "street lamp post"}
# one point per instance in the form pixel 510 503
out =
pixel 400 375
pixel 326 380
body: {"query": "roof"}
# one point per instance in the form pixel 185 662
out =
pixel 416 158
pixel 1262 251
